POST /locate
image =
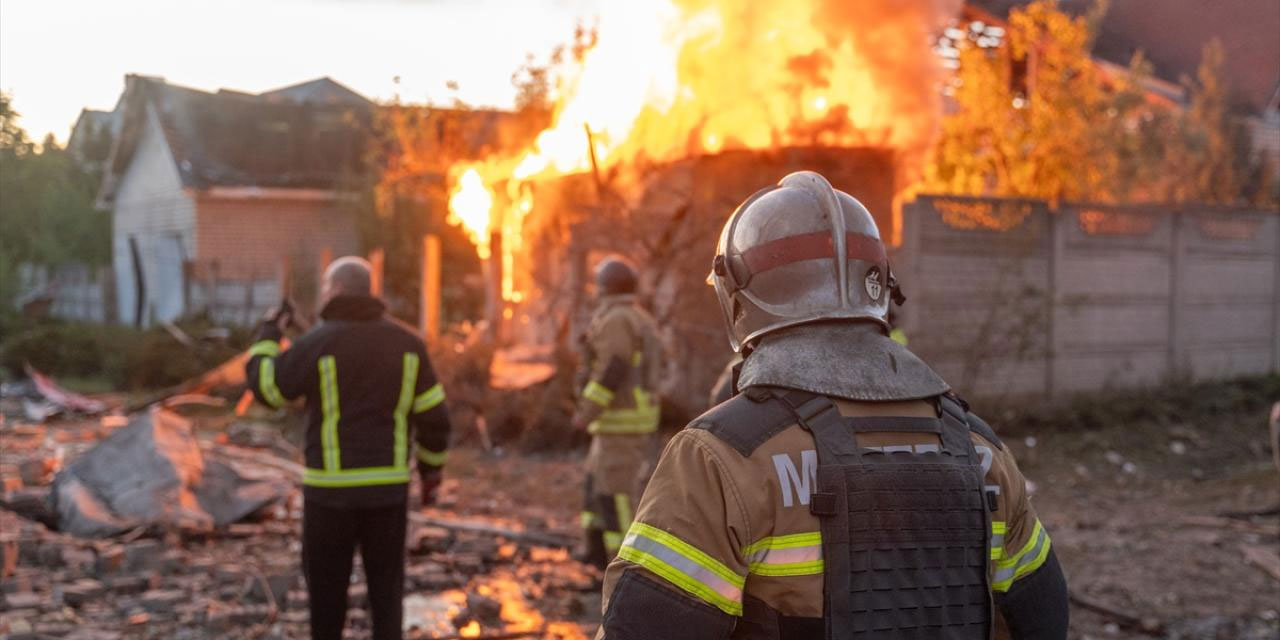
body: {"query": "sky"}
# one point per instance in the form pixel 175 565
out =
pixel 59 56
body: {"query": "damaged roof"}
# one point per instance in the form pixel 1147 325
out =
pixel 310 135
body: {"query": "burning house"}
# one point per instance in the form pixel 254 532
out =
pixel 656 135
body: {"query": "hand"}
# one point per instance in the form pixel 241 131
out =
pixel 279 317
pixel 431 479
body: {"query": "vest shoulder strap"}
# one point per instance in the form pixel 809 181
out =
pixel 959 409
pixel 746 420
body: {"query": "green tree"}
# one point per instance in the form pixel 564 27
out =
pixel 47 215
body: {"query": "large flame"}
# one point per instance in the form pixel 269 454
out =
pixel 470 205
pixel 667 80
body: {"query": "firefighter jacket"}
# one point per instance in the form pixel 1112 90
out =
pixel 622 366
pixel 726 544
pixel 372 400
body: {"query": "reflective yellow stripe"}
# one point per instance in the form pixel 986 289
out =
pixel 612 542
pixel 610 427
pixel 267 383
pixel 365 477
pixel 408 381
pixel 432 458
pixel 598 393
pixel 997 539
pixel 1027 559
pixel 684 566
pixel 637 358
pixel 622 507
pixel 899 336
pixel 588 519
pixel 641 419
pixel 329 409
pixel 269 348
pixel 429 399
pixel 798 554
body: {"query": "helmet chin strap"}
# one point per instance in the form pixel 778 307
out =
pixel 895 290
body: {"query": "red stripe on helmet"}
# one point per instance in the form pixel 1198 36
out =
pixel 811 246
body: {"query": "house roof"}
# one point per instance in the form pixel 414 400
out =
pixel 319 91
pixel 310 135
pixel 1172 34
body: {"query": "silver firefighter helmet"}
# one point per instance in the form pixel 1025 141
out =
pixel 800 252
pixel 803 280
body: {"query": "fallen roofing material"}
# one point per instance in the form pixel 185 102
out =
pixel 152 472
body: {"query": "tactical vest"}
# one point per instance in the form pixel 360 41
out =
pixel 905 534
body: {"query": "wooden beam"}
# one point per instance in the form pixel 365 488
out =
pixel 376 259
pixel 430 303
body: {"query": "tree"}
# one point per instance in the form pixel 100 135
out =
pixel 1027 113
pixel 47 215
pixel 1214 148
pixel 1036 116
pixel 12 138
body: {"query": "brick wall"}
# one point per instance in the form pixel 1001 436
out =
pixel 249 238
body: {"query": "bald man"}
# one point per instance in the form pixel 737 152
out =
pixel 373 407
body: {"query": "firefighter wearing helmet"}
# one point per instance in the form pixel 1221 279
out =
pixel 845 492
pixel 618 407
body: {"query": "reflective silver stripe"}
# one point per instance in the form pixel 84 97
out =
pixel 997 539
pixel 787 556
pixel 1027 560
pixel 690 574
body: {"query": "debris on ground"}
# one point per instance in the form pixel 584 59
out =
pixel 198 570
pixel 153 473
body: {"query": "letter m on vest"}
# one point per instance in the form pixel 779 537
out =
pixel 796 485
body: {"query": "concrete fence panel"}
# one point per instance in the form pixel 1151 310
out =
pixel 1008 298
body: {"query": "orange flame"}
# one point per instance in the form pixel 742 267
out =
pixel 470 205
pixel 669 79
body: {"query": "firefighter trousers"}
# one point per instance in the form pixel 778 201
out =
pixel 330 537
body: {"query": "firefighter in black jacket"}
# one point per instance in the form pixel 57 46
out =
pixel 373 406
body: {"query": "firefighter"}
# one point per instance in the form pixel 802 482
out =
pixel 374 407
pixel 845 492
pixel 618 407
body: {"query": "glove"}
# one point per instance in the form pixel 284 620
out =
pixel 431 479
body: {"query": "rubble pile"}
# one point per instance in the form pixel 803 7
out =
pixel 209 547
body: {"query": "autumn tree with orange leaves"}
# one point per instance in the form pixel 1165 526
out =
pixel 1036 116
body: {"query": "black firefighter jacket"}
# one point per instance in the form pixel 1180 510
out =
pixel 372 399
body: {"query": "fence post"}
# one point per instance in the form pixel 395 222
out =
pixel 248 297
pixel 1177 255
pixel 1056 242
pixel 430 289
pixel 1275 302
pixel 377 258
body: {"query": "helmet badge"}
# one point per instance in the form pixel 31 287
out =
pixel 872 283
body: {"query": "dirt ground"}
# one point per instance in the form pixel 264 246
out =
pixel 1132 510
pixel 1120 501
pixel 1135 495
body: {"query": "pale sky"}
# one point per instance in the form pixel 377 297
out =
pixel 59 56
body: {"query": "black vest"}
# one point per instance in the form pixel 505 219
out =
pixel 905 534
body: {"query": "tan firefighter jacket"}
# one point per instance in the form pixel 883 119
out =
pixel 622 361
pixel 715 527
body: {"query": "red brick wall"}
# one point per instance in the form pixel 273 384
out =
pixel 250 237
